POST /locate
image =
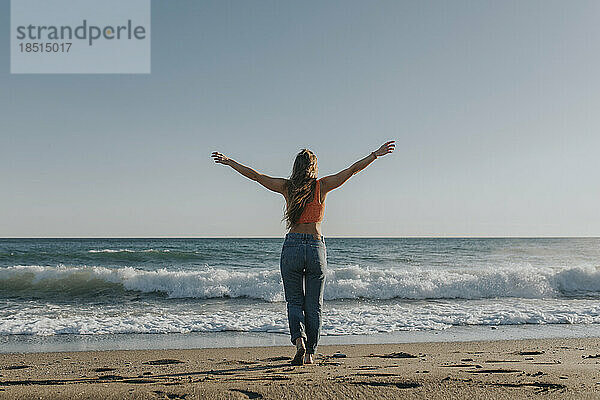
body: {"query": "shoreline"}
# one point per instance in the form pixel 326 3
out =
pixel 177 341
pixel 517 369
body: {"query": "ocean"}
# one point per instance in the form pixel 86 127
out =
pixel 77 290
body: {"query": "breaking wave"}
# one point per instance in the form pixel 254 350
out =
pixel 352 282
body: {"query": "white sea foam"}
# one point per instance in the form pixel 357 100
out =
pixel 342 283
pixel 508 295
pixel 361 319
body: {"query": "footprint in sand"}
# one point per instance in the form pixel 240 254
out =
pixel 277 359
pixel 251 395
pixel 171 396
pixel 530 353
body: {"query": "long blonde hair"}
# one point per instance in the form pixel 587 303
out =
pixel 300 186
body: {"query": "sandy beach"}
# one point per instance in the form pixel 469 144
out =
pixel 548 368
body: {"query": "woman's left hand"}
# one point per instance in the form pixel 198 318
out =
pixel 385 148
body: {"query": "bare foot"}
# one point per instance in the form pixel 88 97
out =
pixel 300 349
pixel 309 358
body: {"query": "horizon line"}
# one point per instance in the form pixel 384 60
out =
pixel 281 237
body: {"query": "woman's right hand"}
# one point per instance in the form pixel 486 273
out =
pixel 385 148
pixel 220 158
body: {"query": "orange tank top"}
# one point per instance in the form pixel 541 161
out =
pixel 313 211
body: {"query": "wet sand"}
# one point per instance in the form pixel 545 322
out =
pixel 509 369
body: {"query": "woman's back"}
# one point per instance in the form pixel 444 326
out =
pixel 313 213
pixel 304 258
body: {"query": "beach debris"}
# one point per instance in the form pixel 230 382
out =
pixel 399 354
pixel 103 369
pixel 539 373
pixel 531 352
pixel 495 371
pixel 399 385
pixel 164 361
pixel 375 374
pixel 278 377
pixel 541 386
pixel 457 365
pixel 110 377
pixel 466 359
pixel 563 377
pixel 457 379
pixel 338 355
pixel 139 381
pixel 34 382
pixel 591 356
pixel 335 364
pixel 11 367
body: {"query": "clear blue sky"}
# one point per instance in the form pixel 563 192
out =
pixel 494 106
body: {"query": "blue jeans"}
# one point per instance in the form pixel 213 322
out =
pixel 303 265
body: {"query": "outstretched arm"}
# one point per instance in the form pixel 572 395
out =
pixel 274 184
pixel 331 182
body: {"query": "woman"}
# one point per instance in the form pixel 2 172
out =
pixel 303 257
